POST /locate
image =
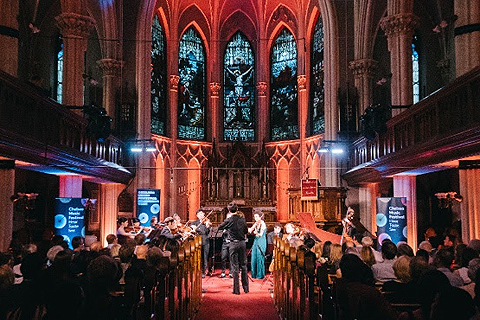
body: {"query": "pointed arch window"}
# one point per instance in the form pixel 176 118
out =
pixel 283 88
pixel 415 72
pixel 191 87
pixel 159 79
pixel 59 74
pixel 239 90
pixel 317 87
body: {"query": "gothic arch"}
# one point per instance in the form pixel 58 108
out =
pixel 194 16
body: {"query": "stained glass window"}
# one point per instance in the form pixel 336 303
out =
pixel 317 93
pixel 159 79
pixel 283 88
pixel 191 87
pixel 239 90
pixel 415 74
pixel 59 83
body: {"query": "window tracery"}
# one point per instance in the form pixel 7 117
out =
pixel 159 79
pixel 317 88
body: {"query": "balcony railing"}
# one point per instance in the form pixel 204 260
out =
pixel 444 126
pixel 36 129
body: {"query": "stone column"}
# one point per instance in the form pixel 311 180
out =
pixel 406 186
pixel 75 29
pixel 70 187
pixel 173 87
pixel 399 29
pixel 367 200
pixel 111 70
pixel 467 35
pixel 108 209
pixel 302 117
pixel 262 111
pixel 215 120
pixel 363 71
pixel 7 179
pixel 470 206
pixel 9 37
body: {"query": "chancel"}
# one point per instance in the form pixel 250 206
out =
pixel 186 131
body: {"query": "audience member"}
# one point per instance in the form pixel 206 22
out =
pixel 383 271
pixel 442 261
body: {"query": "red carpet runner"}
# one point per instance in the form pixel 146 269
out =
pixel 218 302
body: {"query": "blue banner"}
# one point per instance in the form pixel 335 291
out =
pixel 69 218
pixel 392 219
pixel 148 205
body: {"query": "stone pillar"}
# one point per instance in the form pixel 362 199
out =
pixel 302 117
pixel 363 71
pixel 9 37
pixel 108 209
pixel 75 29
pixel 7 179
pixel 406 186
pixel 470 206
pixel 262 110
pixel 70 187
pixel 111 70
pixel 174 80
pixel 467 35
pixel 214 120
pixel 367 201
pixel 399 29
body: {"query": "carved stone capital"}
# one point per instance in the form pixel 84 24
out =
pixel 110 67
pixel 74 25
pixel 262 88
pixel 302 82
pixel 404 23
pixel 174 80
pixel 363 67
pixel 215 88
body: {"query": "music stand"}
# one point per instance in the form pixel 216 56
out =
pixel 214 234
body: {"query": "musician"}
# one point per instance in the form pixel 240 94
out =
pixel 259 246
pixel 225 251
pixel 122 234
pixel 349 229
pixel 138 229
pixel 170 229
pixel 202 227
pixel 237 232
pixel 277 231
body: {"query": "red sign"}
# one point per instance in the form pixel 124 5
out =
pixel 310 189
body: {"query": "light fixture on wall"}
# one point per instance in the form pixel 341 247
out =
pixel 333 147
pixel 446 199
pixel 145 145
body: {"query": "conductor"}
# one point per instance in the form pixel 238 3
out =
pixel 237 231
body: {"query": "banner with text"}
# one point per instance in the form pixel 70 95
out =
pixel 148 205
pixel 392 219
pixel 70 218
pixel 309 189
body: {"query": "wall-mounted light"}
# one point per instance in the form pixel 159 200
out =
pixel 146 145
pixel 333 147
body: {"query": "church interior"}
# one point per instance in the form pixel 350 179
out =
pixel 214 102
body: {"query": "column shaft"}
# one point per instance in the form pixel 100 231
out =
pixel 7 179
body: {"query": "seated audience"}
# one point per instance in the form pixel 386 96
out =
pixel 383 271
pixel 442 261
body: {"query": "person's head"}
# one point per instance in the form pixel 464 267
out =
pixel 452 303
pixel 232 207
pixel 429 285
pixel 126 253
pixel 347 244
pixel 335 252
pixel 96 246
pixel 401 267
pixel 154 257
pixel 466 256
pixel 258 216
pixel 404 250
pixel 78 243
pixel 170 222
pixel 366 254
pixel 350 213
pixel 153 220
pixel 111 238
pixel 122 221
pixel 430 233
pixel 354 270
pixel 136 222
pixel 473 267
pixel 32 265
pixel 200 214
pixel 141 252
pixel 367 241
pixel 389 250
pixel 115 250
pixel 425 245
pixel 29 248
pixel 443 258
pixel 327 246
pixel 277 228
pixel 423 254
pixel 289 228
pixel 53 251
pixel 475 245
pixel 140 239
pixel 449 240
pixel 103 272
pixel 418 266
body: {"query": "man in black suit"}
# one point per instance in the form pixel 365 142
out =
pixel 202 227
pixel 236 227
pixel 170 225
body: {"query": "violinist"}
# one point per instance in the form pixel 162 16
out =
pixel 348 225
pixel 202 227
pixel 259 246
pixel 137 228
pixel 122 233
pixel 292 234
pixel 170 229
